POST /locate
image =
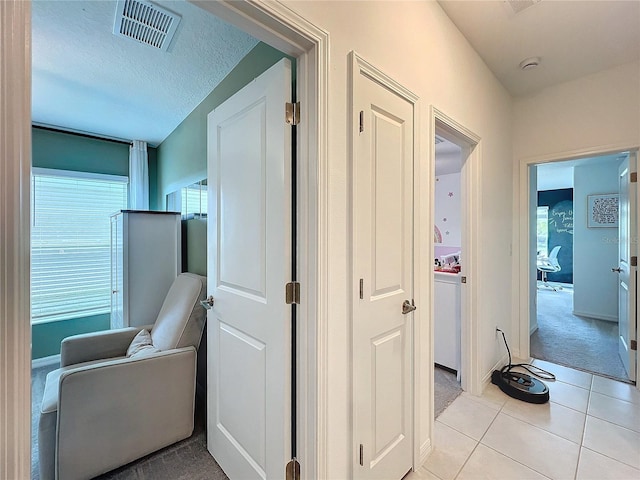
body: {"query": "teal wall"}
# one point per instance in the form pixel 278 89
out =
pixel 66 151
pixel 182 156
pixel 181 159
pixel 46 337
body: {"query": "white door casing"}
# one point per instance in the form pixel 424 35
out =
pixel 627 273
pixel 249 263
pixel 383 156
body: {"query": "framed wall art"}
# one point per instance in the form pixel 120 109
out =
pixel 602 210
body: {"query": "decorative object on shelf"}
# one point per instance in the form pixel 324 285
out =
pixel 602 210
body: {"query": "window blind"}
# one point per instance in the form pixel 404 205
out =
pixel 194 200
pixel 70 242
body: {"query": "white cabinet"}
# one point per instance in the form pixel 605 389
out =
pixel 447 320
pixel 145 260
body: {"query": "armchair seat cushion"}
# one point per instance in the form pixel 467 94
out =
pixel 51 390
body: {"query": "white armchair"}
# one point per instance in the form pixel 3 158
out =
pixel 108 405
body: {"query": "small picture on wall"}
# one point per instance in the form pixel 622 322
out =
pixel 602 210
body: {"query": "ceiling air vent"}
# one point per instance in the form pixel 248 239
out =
pixel 517 6
pixel 145 22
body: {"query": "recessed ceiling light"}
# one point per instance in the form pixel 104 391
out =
pixel 529 63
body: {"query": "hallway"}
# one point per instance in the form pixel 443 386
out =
pixel 590 429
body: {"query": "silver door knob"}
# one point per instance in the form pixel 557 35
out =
pixel 408 307
pixel 208 303
pixel 616 270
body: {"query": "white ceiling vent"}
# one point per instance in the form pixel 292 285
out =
pixel 516 6
pixel 145 22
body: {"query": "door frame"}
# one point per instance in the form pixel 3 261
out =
pixel 280 27
pixel 357 66
pixel 471 374
pixel 277 26
pixel 526 251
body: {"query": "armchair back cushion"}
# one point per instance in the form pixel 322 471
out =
pixel 181 320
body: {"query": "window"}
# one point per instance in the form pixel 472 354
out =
pixel 543 231
pixel 70 242
pixel 190 201
pixel 194 200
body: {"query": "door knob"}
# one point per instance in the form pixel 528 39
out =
pixel 408 307
pixel 616 270
pixel 208 303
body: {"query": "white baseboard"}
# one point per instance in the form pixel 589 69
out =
pixel 45 361
pixel 606 318
pixel 533 329
pixel 425 450
pixel 486 380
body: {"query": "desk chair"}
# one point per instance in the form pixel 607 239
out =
pixel 549 265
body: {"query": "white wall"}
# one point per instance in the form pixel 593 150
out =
pixel 448 211
pixel 583 115
pixel 416 44
pixel 595 250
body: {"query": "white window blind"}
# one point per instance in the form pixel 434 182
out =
pixel 194 200
pixel 70 242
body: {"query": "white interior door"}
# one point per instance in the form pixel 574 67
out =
pixel 383 271
pixel 627 271
pixel 249 263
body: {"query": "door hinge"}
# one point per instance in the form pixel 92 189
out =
pixel 292 113
pixel 634 261
pixel 633 345
pixel 361 455
pixel 292 293
pixel 361 288
pixel 292 472
pixel 633 177
pixel 361 129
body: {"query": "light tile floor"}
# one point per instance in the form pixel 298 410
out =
pixel 590 429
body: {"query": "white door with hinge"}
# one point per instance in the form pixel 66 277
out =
pixel 627 267
pixel 249 264
pixel 383 280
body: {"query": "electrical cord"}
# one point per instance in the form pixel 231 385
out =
pixel 532 369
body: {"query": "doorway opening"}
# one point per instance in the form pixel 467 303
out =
pixel 574 212
pixel 305 43
pixel 452 260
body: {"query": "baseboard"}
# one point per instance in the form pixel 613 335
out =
pixel 425 450
pixel 45 361
pixel 606 318
pixel 533 329
pixel 486 379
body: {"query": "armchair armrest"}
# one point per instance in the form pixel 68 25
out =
pixel 113 412
pixel 96 345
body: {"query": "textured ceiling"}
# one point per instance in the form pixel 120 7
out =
pixel 87 79
pixel 573 38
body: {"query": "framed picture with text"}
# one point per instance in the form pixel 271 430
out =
pixel 602 210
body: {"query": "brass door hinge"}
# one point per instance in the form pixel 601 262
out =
pixel 292 113
pixel 292 471
pixel 361 455
pixel 633 345
pixel 634 261
pixel 292 293
pixel 633 177
pixel 361 127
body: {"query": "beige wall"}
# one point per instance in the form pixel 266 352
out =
pixel 416 44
